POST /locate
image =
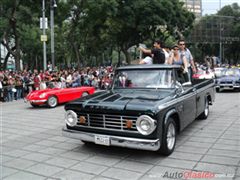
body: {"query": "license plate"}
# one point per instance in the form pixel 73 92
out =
pixel 103 140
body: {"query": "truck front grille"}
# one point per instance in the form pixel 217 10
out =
pixel 107 121
pixel 226 82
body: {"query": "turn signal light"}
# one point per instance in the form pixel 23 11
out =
pixel 129 124
pixel 82 120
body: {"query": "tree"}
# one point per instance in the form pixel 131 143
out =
pixel 98 28
pixel 16 16
pixel 224 28
pixel 86 31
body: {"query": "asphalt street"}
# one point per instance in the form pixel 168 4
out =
pixel 32 147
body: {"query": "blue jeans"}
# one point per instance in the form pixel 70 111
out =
pixel 10 95
pixel 19 93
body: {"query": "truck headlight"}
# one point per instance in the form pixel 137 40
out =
pixel 145 125
pixel 71 118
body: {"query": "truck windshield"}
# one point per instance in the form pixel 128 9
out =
pixel 143 79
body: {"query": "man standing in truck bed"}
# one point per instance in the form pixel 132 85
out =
pixel 157 52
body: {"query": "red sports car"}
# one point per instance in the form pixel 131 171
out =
pixel 55 96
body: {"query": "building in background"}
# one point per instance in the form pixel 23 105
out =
pixel 194 6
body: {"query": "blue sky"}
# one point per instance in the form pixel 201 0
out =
pixel 212 6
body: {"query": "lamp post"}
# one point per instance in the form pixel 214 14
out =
pixel 44 34
pixel 220 35
pixel 220 42
pixel 52 6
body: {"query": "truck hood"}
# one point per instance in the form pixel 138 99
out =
pixel 122 100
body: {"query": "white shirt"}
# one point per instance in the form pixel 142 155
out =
pixel 147 60
pixel 166 55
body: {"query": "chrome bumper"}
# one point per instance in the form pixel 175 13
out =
pixel 224 86
pixel 134 143
pixel 38 101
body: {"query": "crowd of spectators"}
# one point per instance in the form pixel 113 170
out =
pixel 16 85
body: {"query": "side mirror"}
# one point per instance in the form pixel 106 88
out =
pixel 179 88
pixel 187 84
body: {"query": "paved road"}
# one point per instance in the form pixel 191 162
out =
pixel 32 147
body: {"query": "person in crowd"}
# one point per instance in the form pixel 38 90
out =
pixel 95 82
pixel 167 53
pixel 76 79
pixel 11 88
pixel 147 60
pixel 37 80
pixel 63 80
pixel 1 87
pixel 69 80
pixel 186 52
pixel 179 59
pixel 157 53
pixel 19 87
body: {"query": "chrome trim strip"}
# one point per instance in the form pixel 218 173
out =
pixel 134 130
pixel 88 120
pixel 174 101
pixel 205 87
pixel 43 100
pixel 134 143
pixel 108 121
pixel 231 87
pixel 104 123
pixel 82 113
pixel 121 123
pixel 162 106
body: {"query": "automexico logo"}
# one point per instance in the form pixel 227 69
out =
pixel 188 174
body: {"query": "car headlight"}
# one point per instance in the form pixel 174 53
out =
pixel 71 118
pixel 43 95
pixel 145 125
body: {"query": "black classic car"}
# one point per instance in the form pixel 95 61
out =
pixel 145 107
pixel 230 80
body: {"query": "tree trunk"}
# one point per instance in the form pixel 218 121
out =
pixel 17 54
pixel 119 58
pixel 127 56
pixel 37 65
pixel 5 61
pixel 77 54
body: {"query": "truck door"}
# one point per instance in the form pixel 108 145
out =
pixel 187 99
pixel 200 100
pixel 189 105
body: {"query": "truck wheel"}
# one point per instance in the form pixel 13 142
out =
pixel 168 138
pixel 217 90
pixel 52 101
pixel 205 113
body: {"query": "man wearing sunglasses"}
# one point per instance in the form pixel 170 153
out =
pixel 186 52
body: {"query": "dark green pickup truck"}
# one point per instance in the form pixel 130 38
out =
pixel 145 107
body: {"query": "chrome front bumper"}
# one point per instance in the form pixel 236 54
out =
pixel 134 143
pixel 229 86
pixel 39 101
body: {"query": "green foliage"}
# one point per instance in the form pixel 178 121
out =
pixel 89 32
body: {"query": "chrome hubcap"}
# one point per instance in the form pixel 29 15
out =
pixel 52 101
pixel 206 109
pixel 171 136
